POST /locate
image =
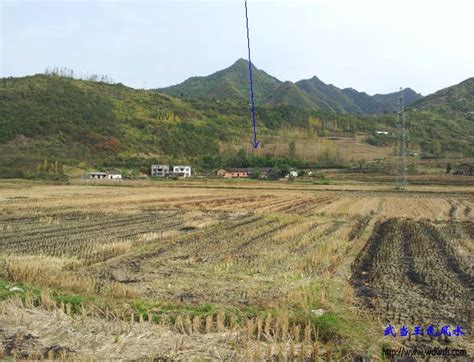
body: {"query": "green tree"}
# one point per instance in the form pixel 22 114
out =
pixel 436 148
pixel 292 149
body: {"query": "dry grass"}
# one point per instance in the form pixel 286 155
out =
pixel 264 259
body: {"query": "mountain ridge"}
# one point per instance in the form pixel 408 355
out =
pixel 232 84
pixel 85 124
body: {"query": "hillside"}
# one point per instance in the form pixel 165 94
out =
pixel 288 93
pixel 380 103
pixel 231 84
pixel 74 121
pixel 94 124
pixel 329 95
pixel 457 98
pixel 444 120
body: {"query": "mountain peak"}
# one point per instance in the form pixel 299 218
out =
pixel 240 61
pixel 232 84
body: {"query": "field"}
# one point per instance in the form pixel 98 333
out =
pixel 230 270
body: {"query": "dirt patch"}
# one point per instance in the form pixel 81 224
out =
pixel 410 271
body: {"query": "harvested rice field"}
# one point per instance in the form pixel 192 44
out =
pixel 231 271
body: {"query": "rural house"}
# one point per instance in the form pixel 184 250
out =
pixel 103 175
pixel 464 169
pixel 165 171
pixel 160 170
pixel 182 171
pixel 243 172
pixel 234 172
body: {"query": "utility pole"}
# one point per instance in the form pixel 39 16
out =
pixel 401 145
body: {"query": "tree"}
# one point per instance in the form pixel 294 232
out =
pixel 448 167
pixel 436 148
pixel 284 169
pixel 256 174
pixel 292 149
pixel 274 174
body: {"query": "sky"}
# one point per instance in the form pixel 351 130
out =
pixel 372 46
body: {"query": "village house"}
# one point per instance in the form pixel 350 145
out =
pixel 182 171
pixel 166 171
pixel 381 132
pixel 103 175
pixel 243 172
pixel 234 172
pixel 464 169
pixel 160 170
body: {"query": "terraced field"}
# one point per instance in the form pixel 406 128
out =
pixel 236 272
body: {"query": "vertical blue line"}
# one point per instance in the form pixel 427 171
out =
pixel 255 143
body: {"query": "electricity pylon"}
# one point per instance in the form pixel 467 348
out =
pixel 401 145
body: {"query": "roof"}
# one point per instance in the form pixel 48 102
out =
pixel 248 169
pixel 465 167
pixel 96 173
pixel 236 169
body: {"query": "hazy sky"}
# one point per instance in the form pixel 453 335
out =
pixel 372 46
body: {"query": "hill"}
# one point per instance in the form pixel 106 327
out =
pixel 75 121
pixel 231 84
pixel 457 98
pixel 380 103
pixel 86 124
pixel 444 120
pixel 288 93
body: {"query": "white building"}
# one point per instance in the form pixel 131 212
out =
pixel 182 171
pixel 114 176
pixel 103 175
pixel 96 175
pixel 160 170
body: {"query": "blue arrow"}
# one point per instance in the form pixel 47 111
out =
pixel 255 143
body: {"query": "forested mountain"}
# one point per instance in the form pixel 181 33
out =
pixel 85 124
pixel 232 84
pixel 228 84
pixel 457 98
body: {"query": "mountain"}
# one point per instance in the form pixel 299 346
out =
pixel 380 103
pixel 349 100
pixel 444 120
pixel 231 84
pixel 457 98
pixel 82 124
pixel 288 93
pixel 328 95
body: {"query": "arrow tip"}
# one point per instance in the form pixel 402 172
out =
pixel 255 144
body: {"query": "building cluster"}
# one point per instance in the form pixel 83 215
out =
pixel 184 171
pixel 260 172
pixel 168 171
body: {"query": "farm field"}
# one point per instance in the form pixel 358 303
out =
pixel 221 270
